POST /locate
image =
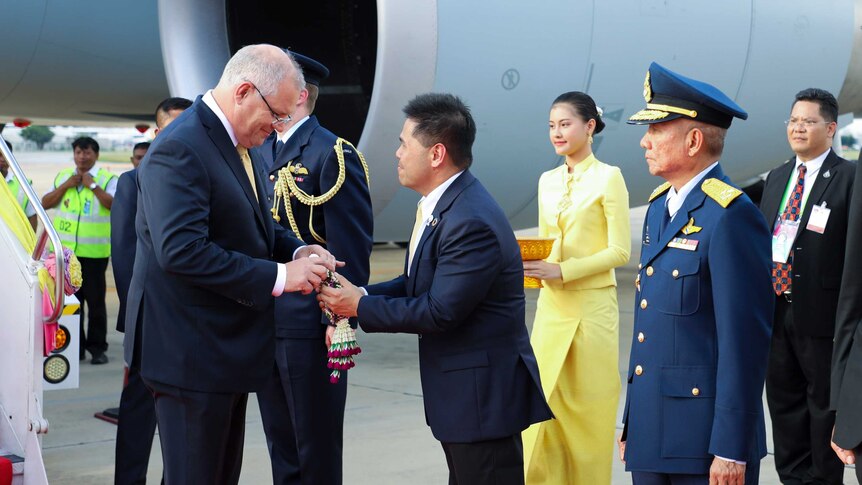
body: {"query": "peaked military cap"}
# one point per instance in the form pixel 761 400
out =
pixel 313 70
pixel 670 96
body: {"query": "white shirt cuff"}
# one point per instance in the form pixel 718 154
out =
pixel 278 289
pixel 732 461
pixel 363 290
pixel 297 250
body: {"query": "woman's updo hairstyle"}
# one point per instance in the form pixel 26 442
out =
pixel 584 107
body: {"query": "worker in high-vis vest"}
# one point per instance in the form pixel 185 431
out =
pixel 83 196
pixel 17 191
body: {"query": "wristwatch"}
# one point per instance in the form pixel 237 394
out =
pixel 93 186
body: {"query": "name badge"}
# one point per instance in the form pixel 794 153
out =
pixel 782 240
pixel 819 217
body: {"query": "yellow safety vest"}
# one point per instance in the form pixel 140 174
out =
pixel 84 226
pixel 19 194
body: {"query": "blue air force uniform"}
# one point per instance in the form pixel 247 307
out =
pixel 302 412
pixel 703 311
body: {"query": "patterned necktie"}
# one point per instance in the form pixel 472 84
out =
pixel 246 164
pixel 418 226
pixel 781 276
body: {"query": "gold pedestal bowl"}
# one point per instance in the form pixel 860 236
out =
pixel 532 249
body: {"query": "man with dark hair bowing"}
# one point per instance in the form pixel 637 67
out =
pixel 462 292
pixel 205 275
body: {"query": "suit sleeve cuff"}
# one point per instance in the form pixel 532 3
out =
pixel 280 278
pixel 732 461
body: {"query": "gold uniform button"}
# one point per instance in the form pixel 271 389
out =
pixel 641 337
pixel 649 271
pixel 695 392
pixel 639 370
pixel 675 273
pixel 271 178
pixel 640 266
pixel 643 304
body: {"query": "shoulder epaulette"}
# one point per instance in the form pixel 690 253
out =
pixel 720 192
pixel 659 190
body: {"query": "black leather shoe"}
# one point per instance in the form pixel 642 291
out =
pixel 99 359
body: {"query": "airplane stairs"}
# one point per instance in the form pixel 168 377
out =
pixel 21 334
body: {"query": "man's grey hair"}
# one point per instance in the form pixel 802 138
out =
pixel 256 64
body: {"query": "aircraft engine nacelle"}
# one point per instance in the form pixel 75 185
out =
pixel 509 62
pixel 114 61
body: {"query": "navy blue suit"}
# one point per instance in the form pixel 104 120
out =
pixel 137 424
pixel 464 297
pixel 202 289
pixel 302 412
pixel 701 335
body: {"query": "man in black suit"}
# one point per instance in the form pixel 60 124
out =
pixel 846 399
pixel 137 427
pixel 302 412
pixel 462 292
pixel 205 273
pixel 805 201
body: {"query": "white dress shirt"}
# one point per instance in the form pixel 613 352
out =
pixel 429 203
pixel 283 137
pixel 209 100
pixel 675 199
pixel 812 168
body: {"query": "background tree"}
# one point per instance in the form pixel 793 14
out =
pixel 40 135
pixel 848 140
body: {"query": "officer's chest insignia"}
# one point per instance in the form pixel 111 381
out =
pixel 659 190
pixel 720 192
pixel 683 243
pixel 298 169
pixel 690 228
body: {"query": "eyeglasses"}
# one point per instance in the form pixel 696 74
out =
pixel 803 123
pixel 278 122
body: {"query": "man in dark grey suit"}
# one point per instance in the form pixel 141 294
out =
pixel 328 203
pixel 137 427
pixel 846 397
pixel 462 292
pixel 206 270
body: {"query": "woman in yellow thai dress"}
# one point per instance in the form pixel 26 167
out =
pixel 584 205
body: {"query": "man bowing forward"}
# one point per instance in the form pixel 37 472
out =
pixel 462 293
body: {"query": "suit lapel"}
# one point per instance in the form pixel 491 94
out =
pixel 221 140
pixel 266 152
pixel 692 202
pixel 449 196
pixel 772 200
pixel 652 230
pixel 820 184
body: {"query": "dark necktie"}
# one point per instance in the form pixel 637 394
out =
pixel 781 276
pixel 665 218
pixel 277 148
